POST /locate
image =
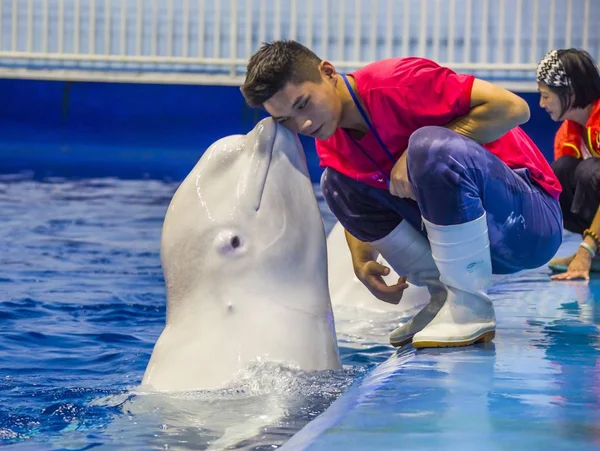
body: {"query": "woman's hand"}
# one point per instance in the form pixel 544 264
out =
pixel 579 268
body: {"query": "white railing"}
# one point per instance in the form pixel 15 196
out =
pixel 209 41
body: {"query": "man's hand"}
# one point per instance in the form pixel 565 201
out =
pixel 371 273
pixel 399 184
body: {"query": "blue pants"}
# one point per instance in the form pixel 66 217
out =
pixel 455 181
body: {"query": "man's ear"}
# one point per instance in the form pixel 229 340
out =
pixel 327 69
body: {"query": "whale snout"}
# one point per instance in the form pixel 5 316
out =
pixel 259 148
pixel 285 142
pixel 276 137
pixel 267 142
pixel 267 125
pixel 266 130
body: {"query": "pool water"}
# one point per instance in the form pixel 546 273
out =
pixel 83 302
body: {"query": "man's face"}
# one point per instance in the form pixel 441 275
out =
pixel 308 108
pixel 550 102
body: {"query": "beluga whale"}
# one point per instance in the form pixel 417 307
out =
pixel 244 258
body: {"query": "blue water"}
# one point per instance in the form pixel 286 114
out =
pixel 82 302
pixel 82 299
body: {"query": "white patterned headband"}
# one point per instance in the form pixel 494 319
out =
pixel 551 71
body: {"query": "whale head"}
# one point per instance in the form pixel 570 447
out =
pixel 243 252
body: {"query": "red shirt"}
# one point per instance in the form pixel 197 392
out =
pixel 402 95
pixel 572 138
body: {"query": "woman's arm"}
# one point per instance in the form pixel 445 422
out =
pixel 595 228
pixel 579 268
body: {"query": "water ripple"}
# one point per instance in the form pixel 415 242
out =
pixel 82 302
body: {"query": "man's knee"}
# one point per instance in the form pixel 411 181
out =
pixel 359 213
pixel 434 151
pixel 335 189
pixel 329 187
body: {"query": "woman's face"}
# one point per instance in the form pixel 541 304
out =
pixel 550 102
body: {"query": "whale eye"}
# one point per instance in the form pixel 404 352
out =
pixel 228 242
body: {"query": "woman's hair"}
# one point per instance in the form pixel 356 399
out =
pixel 571 74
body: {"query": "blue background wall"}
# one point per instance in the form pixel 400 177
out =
pixel 143 130
pixel 139 130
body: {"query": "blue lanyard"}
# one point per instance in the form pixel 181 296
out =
pixel 379 140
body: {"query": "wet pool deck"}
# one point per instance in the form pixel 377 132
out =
pixel 536 386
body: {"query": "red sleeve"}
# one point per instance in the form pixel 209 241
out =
pixel 565 142
pixel 437 94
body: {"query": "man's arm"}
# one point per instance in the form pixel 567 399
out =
pixel 361 251
pixel 494 111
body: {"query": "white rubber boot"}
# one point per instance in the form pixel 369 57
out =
pixel 408 253
pixel 462 255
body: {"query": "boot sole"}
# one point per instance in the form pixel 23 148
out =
pixel 398 344
pixel 485 338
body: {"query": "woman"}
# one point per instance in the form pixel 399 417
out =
pixel 569 86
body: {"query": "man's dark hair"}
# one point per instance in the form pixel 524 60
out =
pixel 274 65
pixel 584 78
